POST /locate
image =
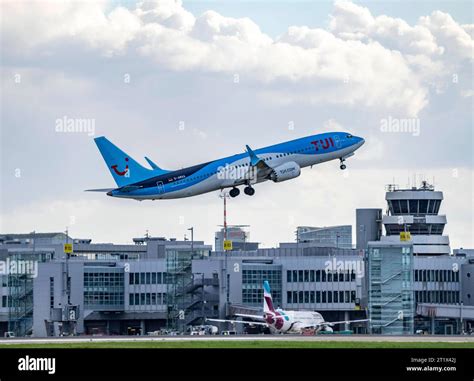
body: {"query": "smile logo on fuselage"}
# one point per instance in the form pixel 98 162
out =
pixel 120 173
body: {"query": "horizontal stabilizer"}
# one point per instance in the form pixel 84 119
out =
pixel 129 188
pixel 105 190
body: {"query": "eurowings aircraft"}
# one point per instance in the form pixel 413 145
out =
pixel 280 321
pixel 280 162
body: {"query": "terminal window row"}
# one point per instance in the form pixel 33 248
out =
pixel 146 298
pixel 147 278
pixel 319 276
pixel 103 298
pixel 441 297
pixel 255 296
pixel 436 276
pixel 105 279
pixel 320 297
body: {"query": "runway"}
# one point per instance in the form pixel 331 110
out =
pixel 317 338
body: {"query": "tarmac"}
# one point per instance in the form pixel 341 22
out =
pixel 321 338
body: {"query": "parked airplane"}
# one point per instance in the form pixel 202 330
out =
pixel 278 163
pixel 280 321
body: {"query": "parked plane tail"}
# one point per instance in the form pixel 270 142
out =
pixel 267 298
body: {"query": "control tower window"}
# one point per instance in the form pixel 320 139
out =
pixel 396 207
pixel 404 206
pixel 413 206
pixel 423 206
pixel 431 206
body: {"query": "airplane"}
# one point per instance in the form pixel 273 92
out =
pixel 279 162
pixel 280 321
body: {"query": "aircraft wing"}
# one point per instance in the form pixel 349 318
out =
pixel 343 322
pixel 256 317
pixel 331 323
pixel 238 321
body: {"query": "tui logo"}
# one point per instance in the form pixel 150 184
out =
pixel 120 173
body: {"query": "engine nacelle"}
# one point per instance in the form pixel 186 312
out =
pixel 285 172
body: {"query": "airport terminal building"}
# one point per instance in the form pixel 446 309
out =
pixel 404 286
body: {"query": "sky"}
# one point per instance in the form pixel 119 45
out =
pixel 185 83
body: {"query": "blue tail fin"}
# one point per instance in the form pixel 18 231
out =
pixel 124 169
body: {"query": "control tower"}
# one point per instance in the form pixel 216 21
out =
pixel 415 210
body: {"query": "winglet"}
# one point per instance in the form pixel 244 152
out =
pixel 254 159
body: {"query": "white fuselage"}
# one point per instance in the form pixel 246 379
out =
pixel 296 321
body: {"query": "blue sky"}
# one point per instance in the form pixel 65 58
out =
pixel 274 17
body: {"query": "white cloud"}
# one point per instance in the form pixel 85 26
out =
pixel 381 57
pixel 169 13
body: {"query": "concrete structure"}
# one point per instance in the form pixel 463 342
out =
pixel 335 236
pixel 368 226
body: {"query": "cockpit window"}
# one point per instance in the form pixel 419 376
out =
pixel 348 136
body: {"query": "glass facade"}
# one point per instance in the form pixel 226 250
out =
pixel 104 289
pixel 20 290
pixel 179 278
pixel 414 207
pixel 391 296
pixel 252 281
pixel 337 236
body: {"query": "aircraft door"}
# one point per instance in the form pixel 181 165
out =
pixel 337 141
pixel 161 187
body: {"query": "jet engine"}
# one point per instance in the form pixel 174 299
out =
pixel 285 172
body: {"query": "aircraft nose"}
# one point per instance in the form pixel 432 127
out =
pixel 109 193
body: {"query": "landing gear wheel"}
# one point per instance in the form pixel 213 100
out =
pixel 234 192
pixel 249 191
